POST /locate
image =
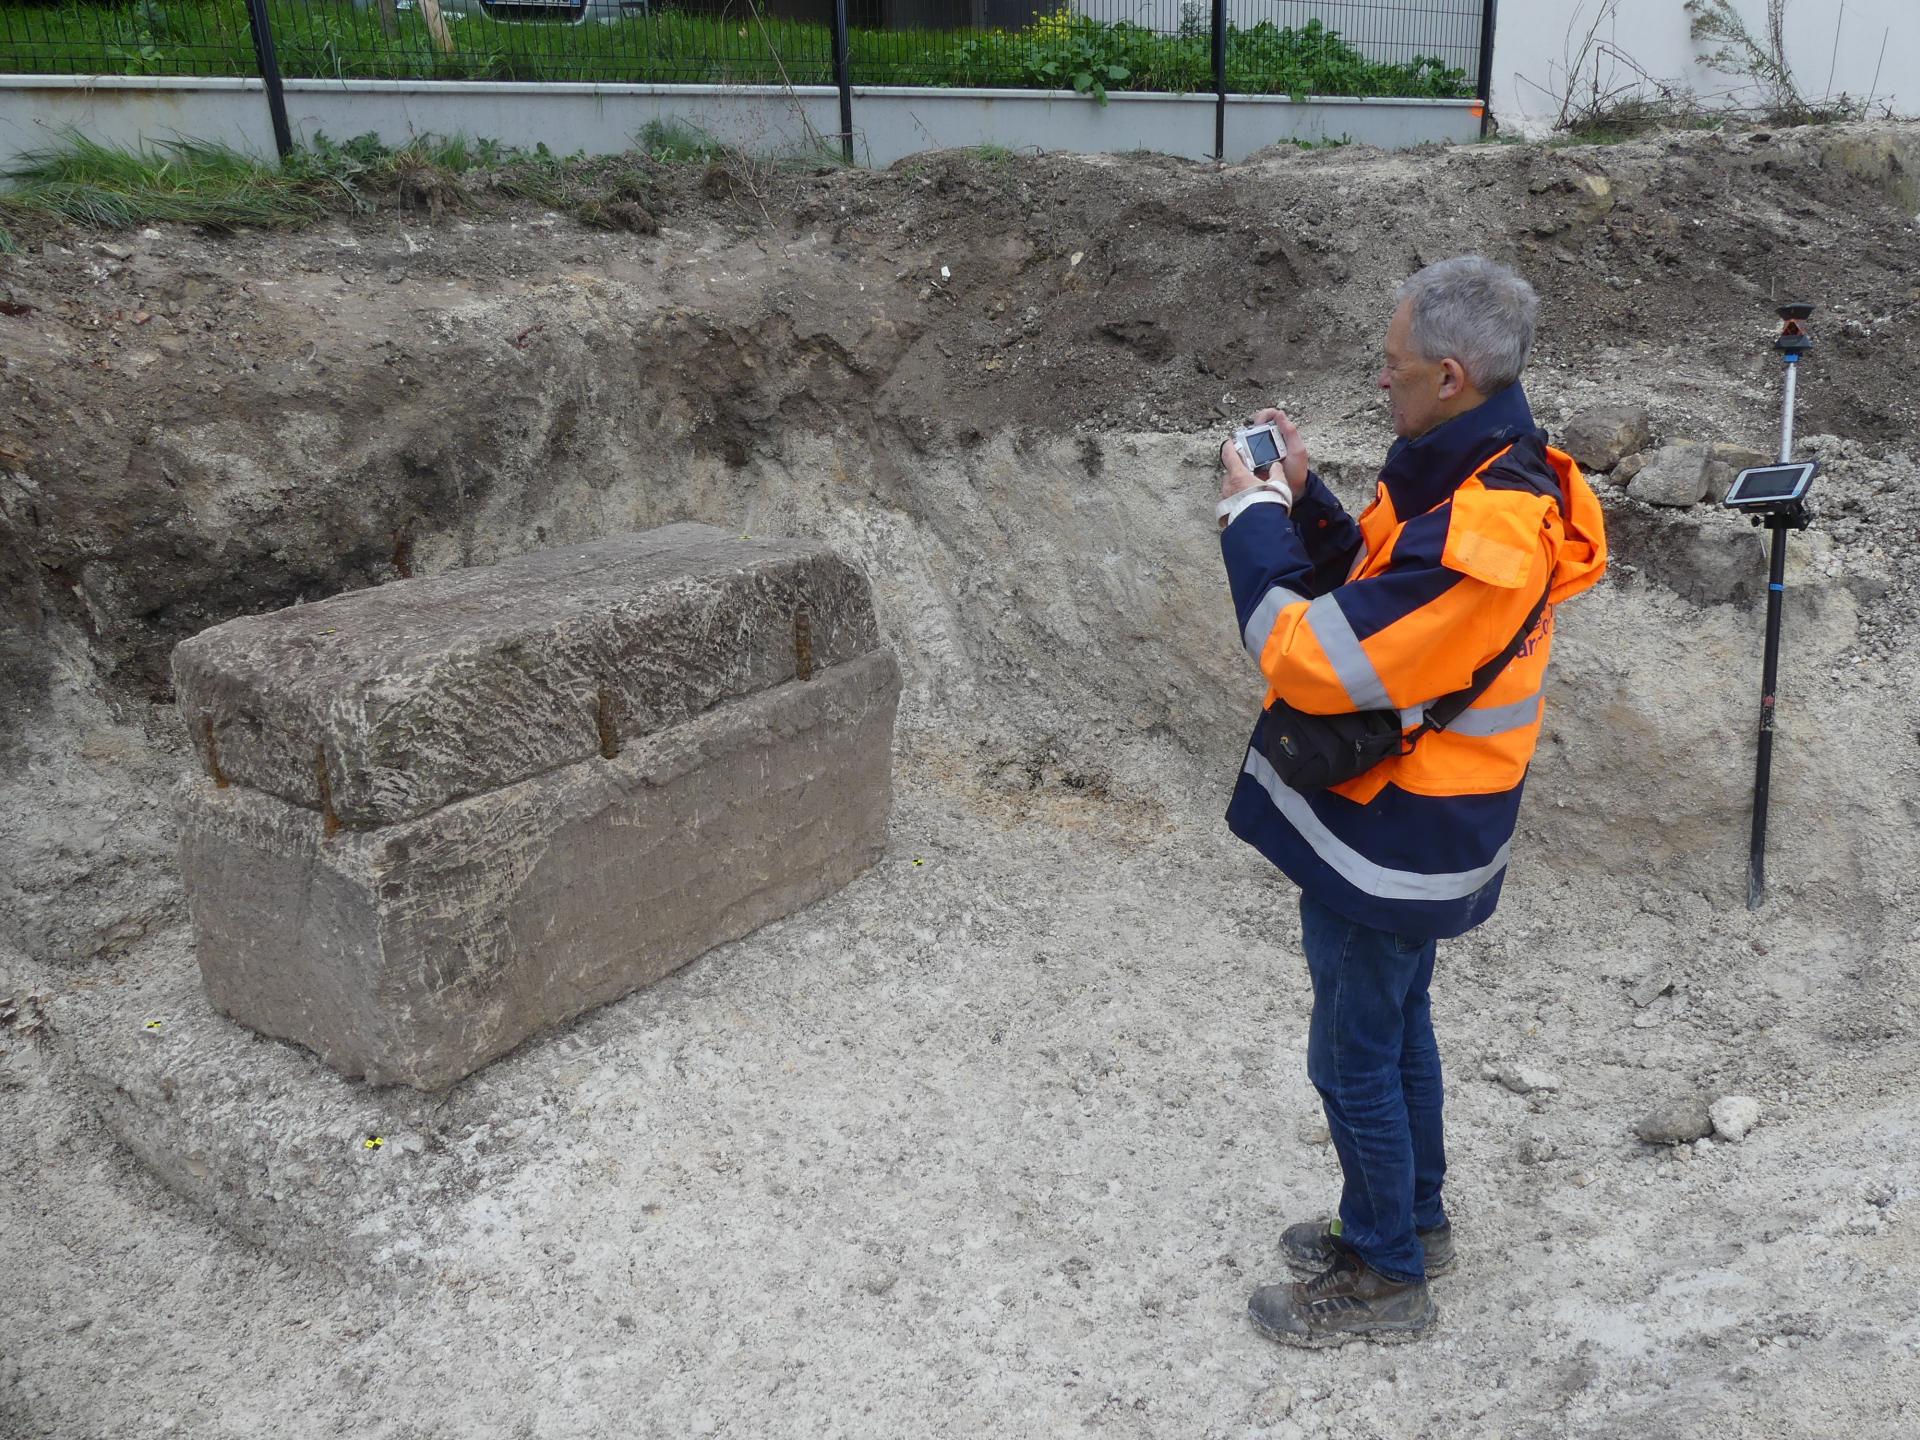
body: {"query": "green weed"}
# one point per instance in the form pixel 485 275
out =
pixel 674 142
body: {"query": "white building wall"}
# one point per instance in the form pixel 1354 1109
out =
pixel 1860 48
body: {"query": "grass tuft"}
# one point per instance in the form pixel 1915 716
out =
pixel 187 182
pixel 674 142
pixel 1634 116
pixel 192 182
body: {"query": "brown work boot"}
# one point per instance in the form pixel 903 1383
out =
pixel 1309 1247
pixel 1349 1300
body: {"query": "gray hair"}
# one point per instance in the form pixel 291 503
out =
pixel 1475 311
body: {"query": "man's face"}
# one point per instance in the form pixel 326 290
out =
pixel 1420 391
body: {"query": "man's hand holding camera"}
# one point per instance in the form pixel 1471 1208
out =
pixel 1245 482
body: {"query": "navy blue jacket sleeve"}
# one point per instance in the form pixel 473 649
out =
pixel 1263 551
pixel 1330 536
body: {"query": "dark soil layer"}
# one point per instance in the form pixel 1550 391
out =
pixel 941 301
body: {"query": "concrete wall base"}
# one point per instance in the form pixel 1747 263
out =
pixel 889 123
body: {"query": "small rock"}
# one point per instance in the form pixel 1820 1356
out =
pixel 1679 1122
pixel 879 1280
pixel 1274 1404
pixel 1526 1079
pixel 1601 438
pixel 1740 457
pixel 1538 1149
pixel 1717 476
pixel 112 251
pixel 1650 989
pixel 1313 1131
pixel 1629 466
pixel 1674 475
pixel 633 217
pixel 1733 1116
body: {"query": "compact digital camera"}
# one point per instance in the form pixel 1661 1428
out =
pixel 1260 446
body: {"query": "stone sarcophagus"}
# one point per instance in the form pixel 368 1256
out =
pixel 437 817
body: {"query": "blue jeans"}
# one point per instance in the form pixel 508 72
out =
pixel 1372 1056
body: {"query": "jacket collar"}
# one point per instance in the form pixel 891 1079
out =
pixel 1422 472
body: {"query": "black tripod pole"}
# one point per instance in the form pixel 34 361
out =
pixel 1792 343
pixel 1769 682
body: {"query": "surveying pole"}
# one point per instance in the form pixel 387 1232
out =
pixel 1774 496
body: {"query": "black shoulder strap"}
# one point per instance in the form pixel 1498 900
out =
pixel 1444 711
pixel 1498 474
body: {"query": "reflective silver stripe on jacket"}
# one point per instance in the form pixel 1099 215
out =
pixel 1499 719
pixel 1353 867
pixel 1493 720
pixel 1362 682
pixel 1265 615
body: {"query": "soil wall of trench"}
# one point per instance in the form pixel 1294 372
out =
pixel 999 389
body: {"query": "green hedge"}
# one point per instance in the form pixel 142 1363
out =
pixel 332 38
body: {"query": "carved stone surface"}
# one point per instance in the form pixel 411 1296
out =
pixel 382 704
pixel 416 949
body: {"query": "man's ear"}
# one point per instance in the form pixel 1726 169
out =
pixel 1453 378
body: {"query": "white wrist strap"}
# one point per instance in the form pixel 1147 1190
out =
pixel 1265 493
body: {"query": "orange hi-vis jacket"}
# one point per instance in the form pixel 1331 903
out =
pixel 1470 523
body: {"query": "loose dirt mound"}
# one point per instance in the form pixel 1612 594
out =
pixel 999 1140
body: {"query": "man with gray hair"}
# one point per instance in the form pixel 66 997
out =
pixel 1433 614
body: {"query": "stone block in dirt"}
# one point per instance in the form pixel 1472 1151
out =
pixel 263 1139
pixel 415 951
pixel 1741 457
pixel 1677 1122
pixel 385 703
pixel 1601 438
pixel 1675 475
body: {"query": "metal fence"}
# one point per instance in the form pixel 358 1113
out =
pixel 1423 48
pixel 1320 47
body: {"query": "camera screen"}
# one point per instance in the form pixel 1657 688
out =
pixel 1261 446
pixel 1775 482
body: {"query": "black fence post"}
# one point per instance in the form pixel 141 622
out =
pixel 1220 78
pixel 1486 67
pixel 270 75
pixel 843 77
